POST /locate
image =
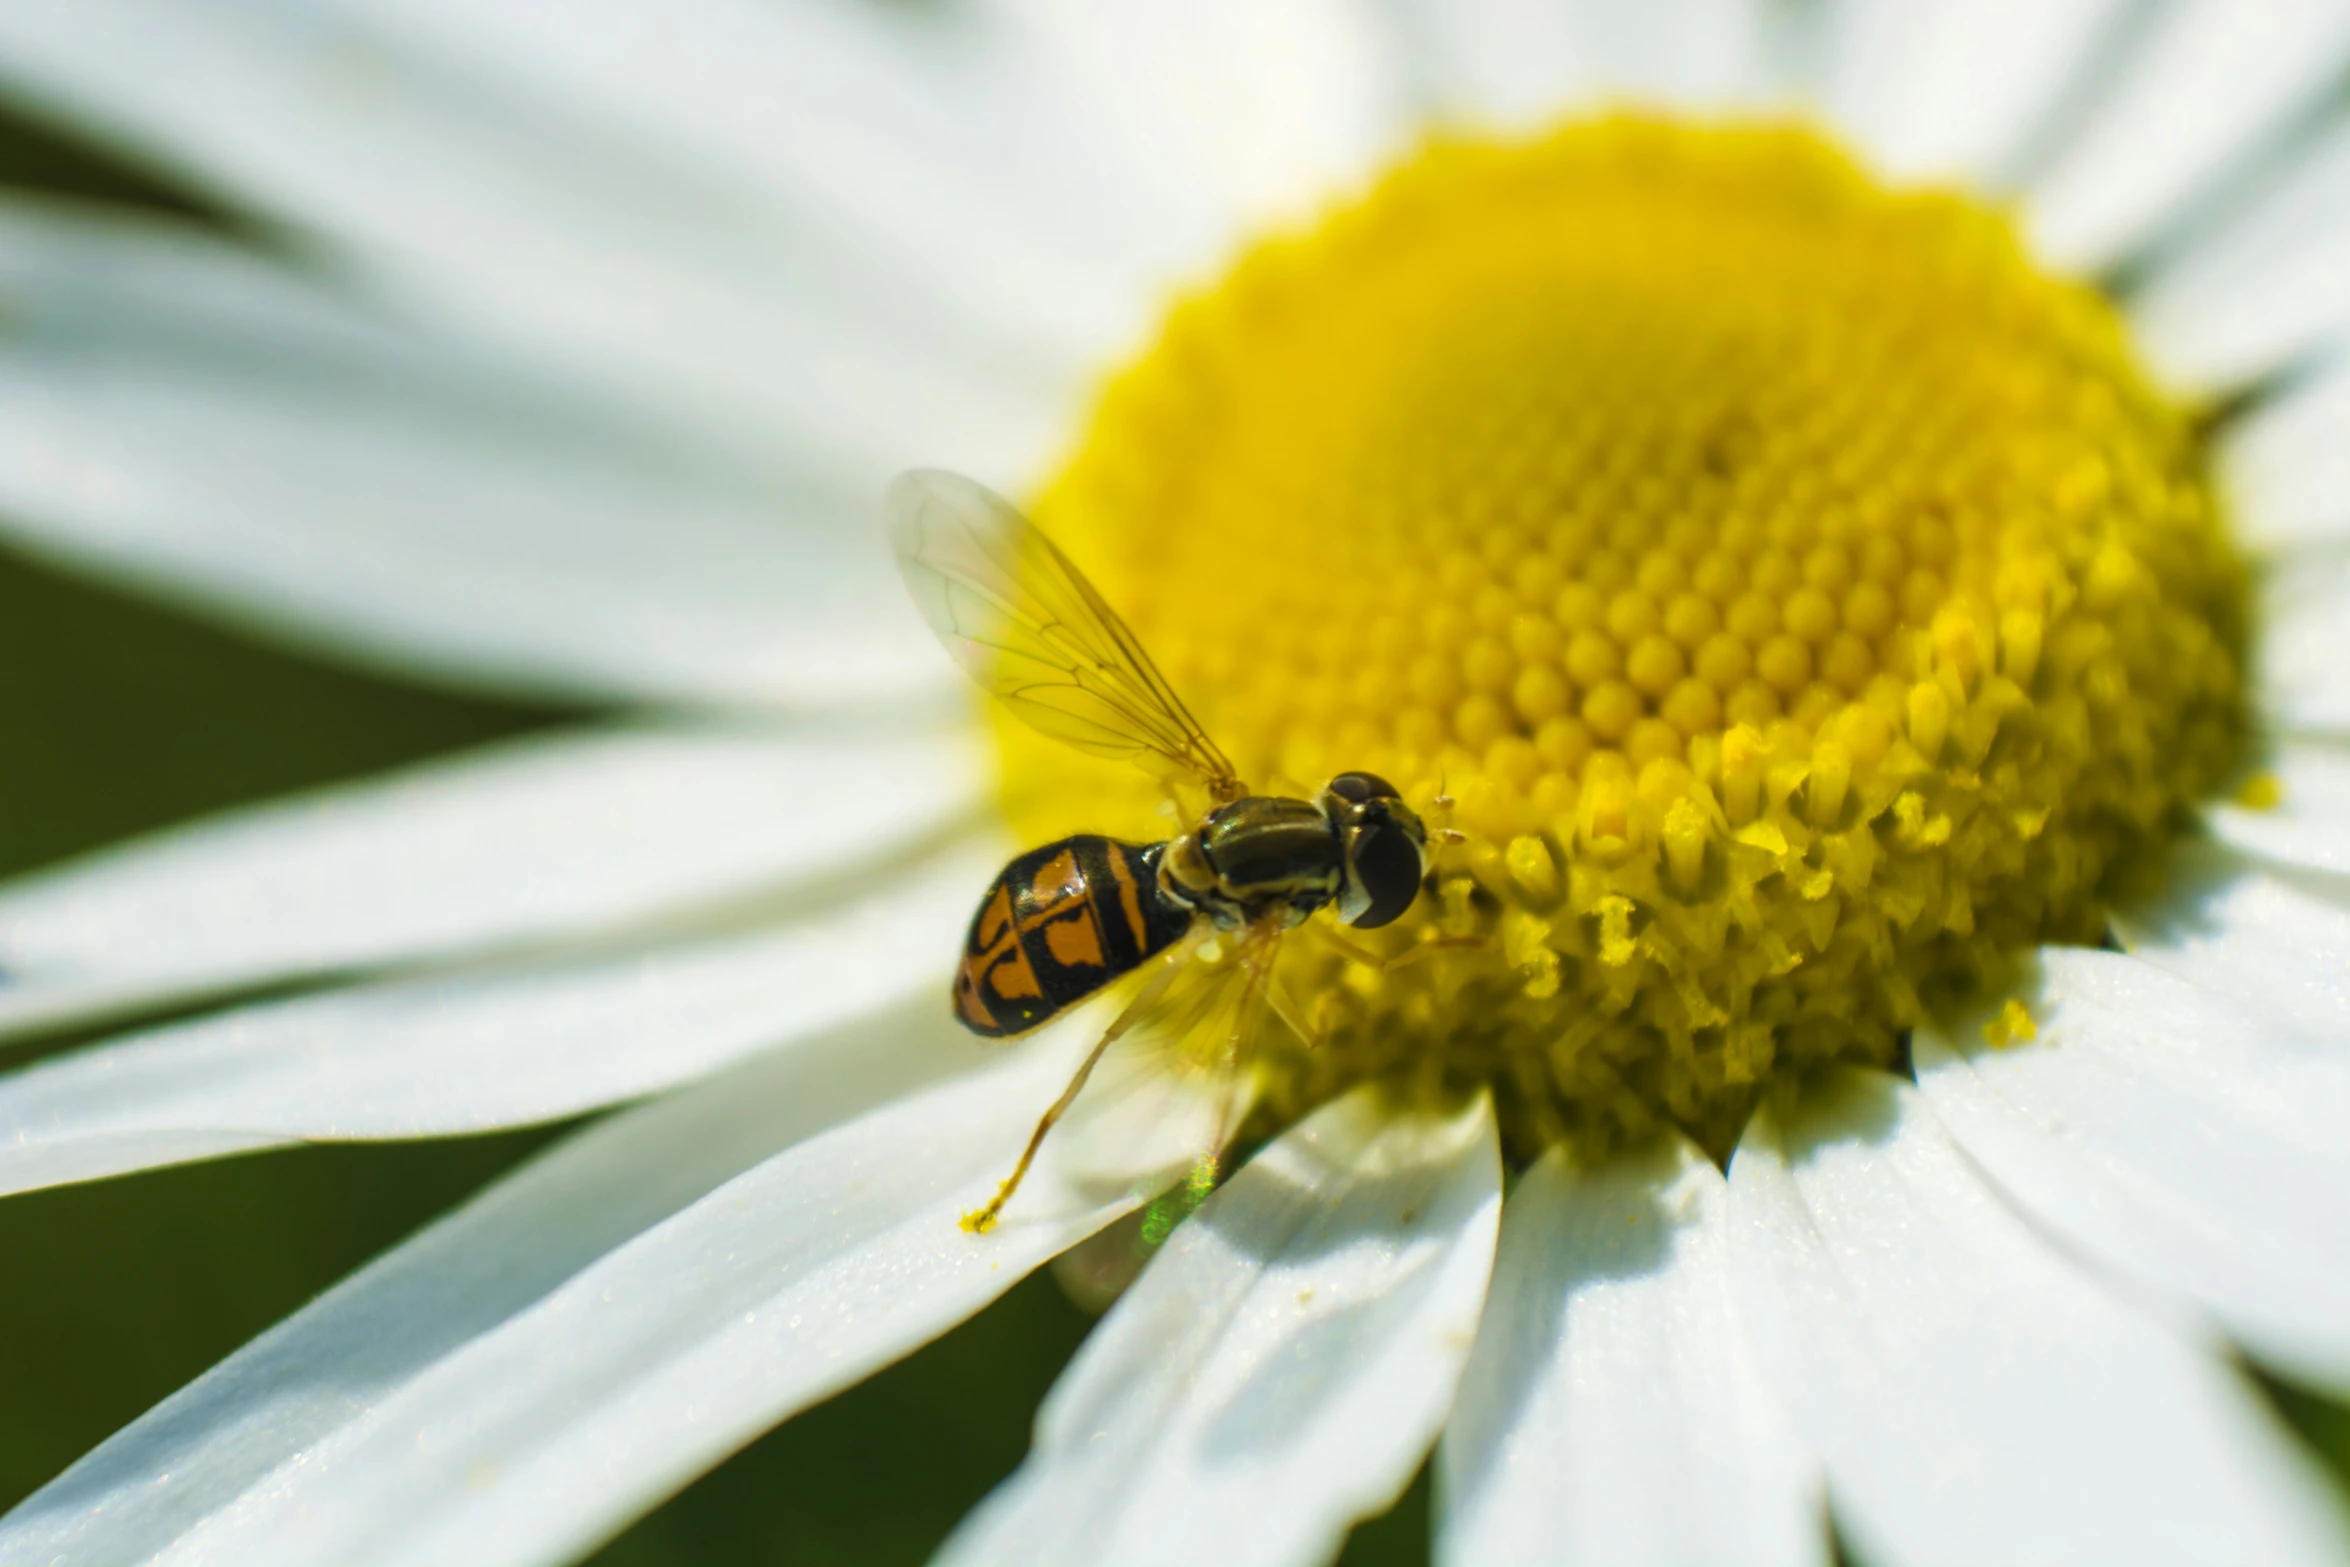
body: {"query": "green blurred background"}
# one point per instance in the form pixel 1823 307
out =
pixel 115 717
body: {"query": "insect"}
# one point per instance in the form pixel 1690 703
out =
pixel 1062 921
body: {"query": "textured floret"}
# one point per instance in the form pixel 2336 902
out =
pixel 1803 601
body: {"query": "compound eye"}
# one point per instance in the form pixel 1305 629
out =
pixel 1387 867
pixel 1356 788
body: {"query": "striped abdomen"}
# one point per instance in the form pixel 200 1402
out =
pixel 1059 923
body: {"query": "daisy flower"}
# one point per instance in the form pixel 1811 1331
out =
pixel 1837 509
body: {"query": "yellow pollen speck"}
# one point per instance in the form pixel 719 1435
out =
pixel 2261 792
pixel 1798 602
pixel 2012 1026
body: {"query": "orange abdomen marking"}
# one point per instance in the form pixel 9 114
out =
pixel 1057 883
pixel 1075 941
pixel 1059 923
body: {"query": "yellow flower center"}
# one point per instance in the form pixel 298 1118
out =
pixel 1800 600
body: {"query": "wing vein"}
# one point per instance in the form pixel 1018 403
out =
pixel 1026 625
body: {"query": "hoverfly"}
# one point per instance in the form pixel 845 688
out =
pixel 1062 921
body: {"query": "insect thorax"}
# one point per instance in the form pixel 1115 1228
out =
pixel 1256 856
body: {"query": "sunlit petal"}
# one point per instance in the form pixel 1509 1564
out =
pixel 1280 1368
pixel 2185 1140
pixel 2276 941
pixel 1611 1413
pixel 2308 826
pixel 526 842
pixel 482 1048
pixel 1975 1397
pixel 528 1375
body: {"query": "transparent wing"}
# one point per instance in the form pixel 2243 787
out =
pixel 1184 1066
pixel 1191 1087
pixel 1022 619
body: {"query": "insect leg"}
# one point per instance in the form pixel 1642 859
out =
pixel 1256 963
pixel 1412 954
pixel 1285 1007
pixel 980 1220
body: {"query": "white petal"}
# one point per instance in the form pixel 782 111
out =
pixel 525 842
pixel 1957 89
pixel 2251 295
pixel 2174 1135
pixel 1279 1369
pixel 1690 54
pixel 879 130
pixel 485 1264
pixel 1611 1413
pixel 2309 826
pixel 1503 63
pixel 2276 942
pixel 2304 640
pixel 1251 115
pixel 1522 64
pixel 2212 78
pixel 1975 1397
pixel 519 1381
pixel 2286 467
pixel 484 1048
pixel 200 422
pixel 650 274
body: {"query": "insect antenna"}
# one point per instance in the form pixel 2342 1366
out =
pixel 1446 834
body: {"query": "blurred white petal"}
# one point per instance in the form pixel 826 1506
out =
pixel 2285 467
pixel 1280 1368
pixel 520 1381
pixel 1611 1413
pixel 180 415
pixel 1957 89
pixel 2303 643
pixel 1520 64
pixel 484 1048
pixel 2274 941
pixel 1975 1397
pixel 648 274
pixel 528 841
pixel 878 130
pixel 1248 115
pixel 2211 79
pixel 1502 63
pixel 1704 56
pixel 2251 295
pixel 2175 1136
pixel 2309 826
